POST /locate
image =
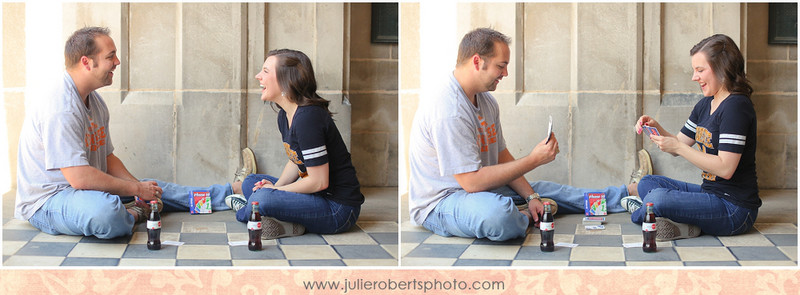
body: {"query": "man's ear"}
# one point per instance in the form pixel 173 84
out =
pixel 85 62
pixel 476 61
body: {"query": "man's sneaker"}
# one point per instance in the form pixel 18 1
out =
pixel 645 167
pixel 631 203
pixel 142 209
pixel 248 165
pixel 236 201
pixel 670 230
pixel 272 228
pixel 553 205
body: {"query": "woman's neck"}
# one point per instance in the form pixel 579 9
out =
pixel 290 108
pixel 721 94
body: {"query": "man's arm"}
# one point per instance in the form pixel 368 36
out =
pixel 90 178
pixel 491 177
pixel 522 187
pixel 117 169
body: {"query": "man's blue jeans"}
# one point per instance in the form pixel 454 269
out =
pixel 688 203
pixel 100 214
pixel 317 213
pixel 493 214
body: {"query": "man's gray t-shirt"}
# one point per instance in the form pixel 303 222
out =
pixel 59 131
pixel 450 136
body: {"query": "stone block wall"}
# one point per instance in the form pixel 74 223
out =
pixel 597 67
pixel 184 101
pixel 772 69
pixel 12 82
pixel 373 94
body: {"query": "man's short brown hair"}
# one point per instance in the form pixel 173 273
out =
pixel 82 43
pixel 480 41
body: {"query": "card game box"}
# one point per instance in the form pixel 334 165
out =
pixel 595 204
pixel 200 202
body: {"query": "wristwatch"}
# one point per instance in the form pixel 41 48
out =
pixel 533 196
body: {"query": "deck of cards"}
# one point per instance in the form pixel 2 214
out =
pixel 651 130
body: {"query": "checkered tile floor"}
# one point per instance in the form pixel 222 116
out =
pixel 773 242
pixel 373 242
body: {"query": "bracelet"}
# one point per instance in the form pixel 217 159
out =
pixel 533 196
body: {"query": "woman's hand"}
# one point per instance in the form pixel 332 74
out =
pixel 263 184
pixel 668 144
pixel 649 121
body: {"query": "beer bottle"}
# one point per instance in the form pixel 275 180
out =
pixel 254 228
pixel 154 227
pixel 547 228
pixel 649 230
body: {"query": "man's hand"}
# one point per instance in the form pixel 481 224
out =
pixel 545 152
pixel 537 209
pixel 149 190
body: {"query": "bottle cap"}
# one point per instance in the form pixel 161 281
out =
pixel 546 203
pixel 255 203
pixel 153 202
pixel 649 204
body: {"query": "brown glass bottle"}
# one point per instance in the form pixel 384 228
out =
pixel 649 230
pixel 547 228
pixel 154 227
pixel 254 229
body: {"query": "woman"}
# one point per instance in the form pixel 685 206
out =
pixel 318 190
pixel 723 124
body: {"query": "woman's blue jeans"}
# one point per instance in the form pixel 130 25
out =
pixel 317 213
pixel 688 203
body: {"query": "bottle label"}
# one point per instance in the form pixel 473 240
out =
pixel 154 224
pixel 547 226
pixel 253 225
pixel 648 226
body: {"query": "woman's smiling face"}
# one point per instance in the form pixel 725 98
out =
pixel 268 80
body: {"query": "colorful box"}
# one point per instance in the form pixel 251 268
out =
pixel 200 202
pixel 595 204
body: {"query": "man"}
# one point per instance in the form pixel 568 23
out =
pixel 69 180
pixel 464 181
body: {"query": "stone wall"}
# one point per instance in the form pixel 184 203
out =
pixel 772 69
pixel 373 94
pixel 12 82
pixel 184 101
pixel 597 67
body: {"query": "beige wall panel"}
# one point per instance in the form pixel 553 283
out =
pixel 13 45
pixel 329 46
pixel 607 48
pixel 152 51
pixel 291 25
pixel 211 45
pixel 548 37
pixel 409 46
pixel 684 25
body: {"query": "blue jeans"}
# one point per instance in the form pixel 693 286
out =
pixel 317 213
pixel 688 203
pixel 100 214
pixel 493 214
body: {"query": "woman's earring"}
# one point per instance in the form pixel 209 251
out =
pixel 283 93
